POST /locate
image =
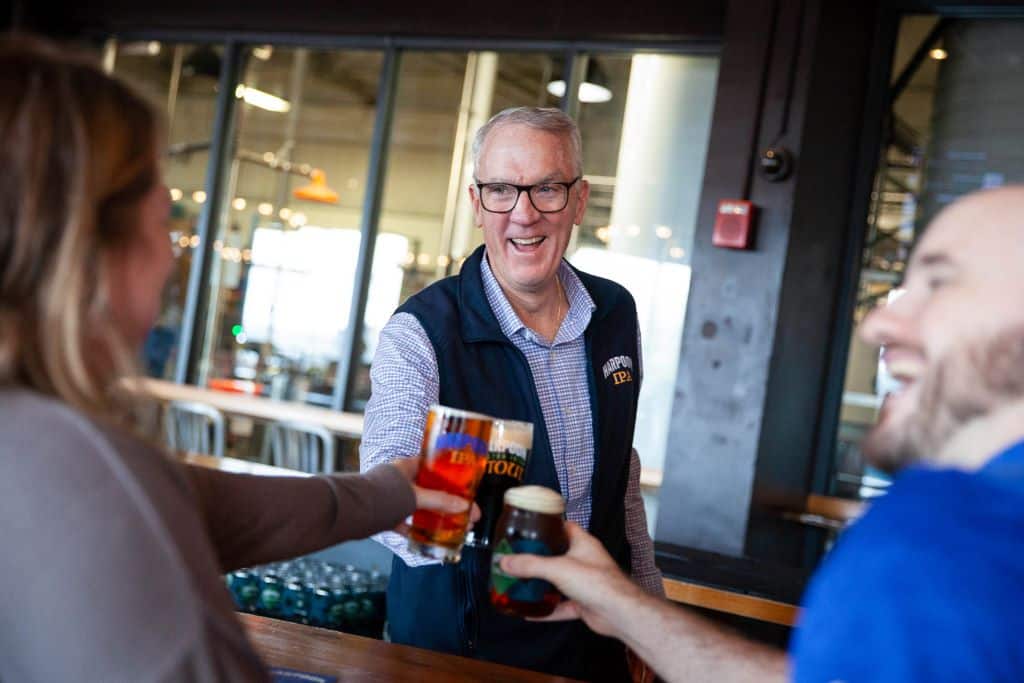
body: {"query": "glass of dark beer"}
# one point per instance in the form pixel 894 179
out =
pixel 531 522
pixel 510 446
pixel 454 450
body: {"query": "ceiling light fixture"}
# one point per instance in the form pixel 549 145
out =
pixel 938 53
pixel 263 52
pixel 593 90
pixel 262 99
pixel 205 61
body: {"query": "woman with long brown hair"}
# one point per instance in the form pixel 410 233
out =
pixel 112 550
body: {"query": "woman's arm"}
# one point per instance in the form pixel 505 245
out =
pixel 255 519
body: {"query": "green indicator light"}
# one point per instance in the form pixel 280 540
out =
pixel 236 330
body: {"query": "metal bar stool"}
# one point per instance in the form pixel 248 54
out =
pixel 299 446
pixel 194 428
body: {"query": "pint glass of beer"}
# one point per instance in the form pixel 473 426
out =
pixel 454 458
pixel 510 446
pixel 531 522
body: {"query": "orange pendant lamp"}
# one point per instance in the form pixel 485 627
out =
pixel 317 190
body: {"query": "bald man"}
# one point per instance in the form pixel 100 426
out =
pixel 929 584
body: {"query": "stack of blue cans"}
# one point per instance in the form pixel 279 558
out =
pixel 314 592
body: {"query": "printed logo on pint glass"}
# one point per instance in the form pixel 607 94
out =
pixel 456 442
pixel 521 590
pixel 619 369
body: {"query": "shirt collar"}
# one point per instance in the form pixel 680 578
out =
pixel 581 305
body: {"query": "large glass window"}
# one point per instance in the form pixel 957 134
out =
pixel 286 240
pixel 954 127
pixel 288 237
pixel 167 74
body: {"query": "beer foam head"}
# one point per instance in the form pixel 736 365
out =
pixel 446 411
pixel 535 499
pixel 506 433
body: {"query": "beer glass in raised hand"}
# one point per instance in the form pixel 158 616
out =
pixel 454 458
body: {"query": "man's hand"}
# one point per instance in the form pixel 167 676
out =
pixel 587 575
pixel 679 644
pixel 430 499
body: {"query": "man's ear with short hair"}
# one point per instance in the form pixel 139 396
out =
pixel 581 205
pixel 477 209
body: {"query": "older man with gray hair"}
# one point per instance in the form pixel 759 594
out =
pixel 519 334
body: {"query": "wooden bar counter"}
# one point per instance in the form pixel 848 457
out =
pixel 354 658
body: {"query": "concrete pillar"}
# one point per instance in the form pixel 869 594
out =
pixel 662 154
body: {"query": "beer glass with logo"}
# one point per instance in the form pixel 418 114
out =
pixel 510 446
pixel 454 458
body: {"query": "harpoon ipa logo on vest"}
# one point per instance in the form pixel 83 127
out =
pixel 619 369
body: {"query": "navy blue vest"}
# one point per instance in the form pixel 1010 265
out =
pixel 446 607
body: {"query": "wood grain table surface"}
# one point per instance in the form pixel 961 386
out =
pixel 354 658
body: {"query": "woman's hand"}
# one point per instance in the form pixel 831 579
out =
pixel 430 499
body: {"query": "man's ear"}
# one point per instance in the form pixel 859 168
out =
pixel 581 205
pixel 477 208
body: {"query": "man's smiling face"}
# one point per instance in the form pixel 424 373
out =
pixel 948 337
pixel 525 246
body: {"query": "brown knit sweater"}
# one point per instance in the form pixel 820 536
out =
pixel 112 554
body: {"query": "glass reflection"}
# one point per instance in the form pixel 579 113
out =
pixel 172 76
pixel 288 237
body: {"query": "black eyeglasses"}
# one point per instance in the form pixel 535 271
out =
pixel 548 197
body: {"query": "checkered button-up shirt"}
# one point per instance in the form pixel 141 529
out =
pixel 405 383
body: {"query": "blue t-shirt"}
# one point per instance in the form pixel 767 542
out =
pixel 927 586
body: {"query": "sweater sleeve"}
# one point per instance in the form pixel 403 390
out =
pixel 255 519
pixel 92 587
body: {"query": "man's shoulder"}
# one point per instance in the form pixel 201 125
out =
pixel 444 291
pixel 930 508
pixel 925 574
pixel 604 290
pixel 436 309
pixel 927 514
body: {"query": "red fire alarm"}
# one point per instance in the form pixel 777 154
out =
pixel 734 224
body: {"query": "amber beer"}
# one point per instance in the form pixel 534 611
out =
pixel 510 446
pixel 454 457
pixel 531 522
